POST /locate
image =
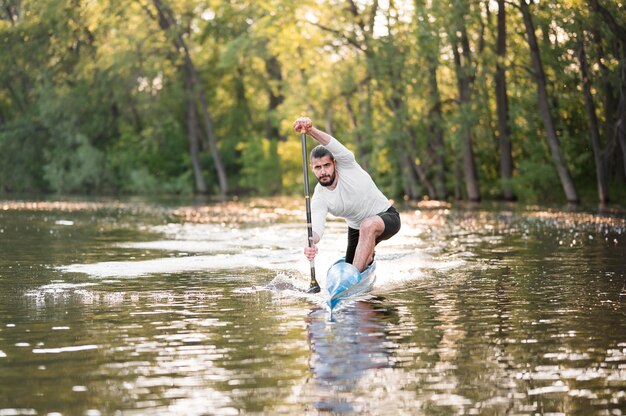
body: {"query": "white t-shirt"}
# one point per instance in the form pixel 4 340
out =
pixel 355 198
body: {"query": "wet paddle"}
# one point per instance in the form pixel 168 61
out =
pixel 314 287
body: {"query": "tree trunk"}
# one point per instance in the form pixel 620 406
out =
pixel 272 133
pixel 620 126
pixel 417 166
pixel 603 189
pixel 192 135
pixel 612 157
pixel 458 176
pixel 437 141
pixel 502 107
pixel 410 182
pixel 544 108
pixel 428 40
pixel 208 125
pixel 465 79
pixel 619 32
pixel 276 98
pixel 167 22
pixel 367 124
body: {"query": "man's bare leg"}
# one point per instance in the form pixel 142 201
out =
pixel 370 229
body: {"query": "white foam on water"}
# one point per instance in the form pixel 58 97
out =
pixel 58 287
pixel 73 348
pixel 17 412
pixel 176 246
pixel 64 222
pixel 171 265
pixel 277 247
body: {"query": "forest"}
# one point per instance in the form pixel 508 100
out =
pixel 452 99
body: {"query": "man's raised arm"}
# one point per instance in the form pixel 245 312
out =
pixel 305 125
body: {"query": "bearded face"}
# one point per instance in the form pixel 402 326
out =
pixel 324 169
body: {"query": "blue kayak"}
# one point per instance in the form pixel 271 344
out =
pixel 343 280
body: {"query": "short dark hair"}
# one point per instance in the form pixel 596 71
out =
pixel 320 151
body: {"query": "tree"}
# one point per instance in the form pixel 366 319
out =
pixel 465 75
pixel 619 32
pixel 502 107
pixel 594 130
pixel 429 45
pixel 545 108
pixel 167 22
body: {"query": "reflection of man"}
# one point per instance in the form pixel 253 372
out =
pixel 344 352
pixel 346 190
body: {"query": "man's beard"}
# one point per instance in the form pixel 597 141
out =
pixel 329 180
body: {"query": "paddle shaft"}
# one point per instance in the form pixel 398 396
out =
pixel 309 224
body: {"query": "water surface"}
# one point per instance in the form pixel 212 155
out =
pixel 137 308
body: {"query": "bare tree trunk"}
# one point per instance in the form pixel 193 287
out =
pixel 272 133
pixel 410 181
pixel 458 176
pixel 430 49
pixel 465 79
pixel 544 109
pixel 612 156
pixel 167 22
pixel 437 142
pixel 208 125
pixel 620 126
pixel 603 189
pixel 619 32
pixel 417 166
pixel 192 136
pixel 502 107
pixel 276 98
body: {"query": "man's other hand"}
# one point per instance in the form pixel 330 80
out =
pixel 303 125
pixel 310 252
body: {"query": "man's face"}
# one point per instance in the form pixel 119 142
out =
pixel 324 170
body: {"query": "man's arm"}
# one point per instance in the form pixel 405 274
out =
pixel 341 154
pixel 305 125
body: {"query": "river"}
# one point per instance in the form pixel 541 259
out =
pixel 144 308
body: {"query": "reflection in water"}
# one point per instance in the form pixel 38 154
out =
pixel 445 379
pixel 342 351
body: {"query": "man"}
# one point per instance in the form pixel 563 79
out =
pixel 346 190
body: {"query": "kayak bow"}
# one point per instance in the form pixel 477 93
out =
pixel 343 280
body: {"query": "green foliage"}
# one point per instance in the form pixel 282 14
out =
pixel 93 97
pixel 21 159
pixel 261 167
pixel 536 182
pixel 73 165
pixel 153 162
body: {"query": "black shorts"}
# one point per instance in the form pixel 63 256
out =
pixel 391 218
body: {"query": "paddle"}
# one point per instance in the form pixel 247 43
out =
pixel 314 287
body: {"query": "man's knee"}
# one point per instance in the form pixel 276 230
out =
pixel 372 226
